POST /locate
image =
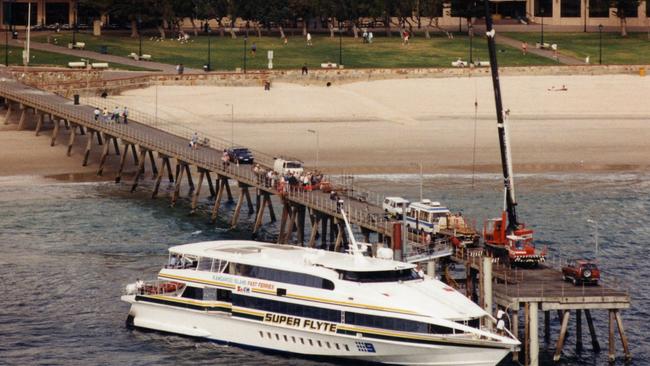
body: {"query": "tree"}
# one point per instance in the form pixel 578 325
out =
pixel 623 9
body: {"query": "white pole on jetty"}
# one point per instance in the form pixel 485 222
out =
pixel 232 124
pixel 595 233
pixel 317 144
pixel 533 334
pixel 29 27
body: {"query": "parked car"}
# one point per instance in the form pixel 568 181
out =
pixel 240 155
pixel 581 271
pixel 395 206
pixel 284 166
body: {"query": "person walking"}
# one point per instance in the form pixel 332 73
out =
pixel 125 114
pixel 96 112
pixel 524 48
pixel 309 39
pixel 253 49
pixel 116 115
pixel 105 115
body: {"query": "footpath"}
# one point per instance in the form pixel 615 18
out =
pixel 166 68
pixel 561 59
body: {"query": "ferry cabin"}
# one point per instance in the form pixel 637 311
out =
pixel 314 302
pixel 426 217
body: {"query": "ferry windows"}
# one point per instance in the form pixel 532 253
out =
pixel 205 264
pixel 282 307
pixel 402 325
pixel 294 278
pixel 209 294
pixel 224 295
pixel 380 276
pixel 193 293
pixel 219 266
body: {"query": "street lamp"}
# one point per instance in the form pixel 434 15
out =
pixel 586 15
pixel 11 28
pixel 471 36
pixel 209 65
pixel 600 44
pixel 541 43
pixel 340 45
pixel 317 144
pixel 232 124
pixel 595 233
pixel 245 40
pixel 74 26
pixel 140 35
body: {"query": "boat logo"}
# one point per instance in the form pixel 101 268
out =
pixel 365 347
pixel 243 289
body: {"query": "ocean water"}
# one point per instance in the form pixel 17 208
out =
pixel 68 249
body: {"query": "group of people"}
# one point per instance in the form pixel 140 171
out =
pixel 367 36
pixel 283 183
pixel 116 116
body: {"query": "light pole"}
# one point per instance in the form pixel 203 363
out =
pixel 471 36
pixel 600 44
pixel 315 132
pixel 421 181
pixel 74 26
pixel 541 43
pixel 11 23
pixel 595 233
pixel 140 35
pixel 232 124
pixel 586 14
pixel 340 45
pixel 245 40
pixel 209 66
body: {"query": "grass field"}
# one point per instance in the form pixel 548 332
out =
pixel 42 58
pixel 228 54
pixel 633 49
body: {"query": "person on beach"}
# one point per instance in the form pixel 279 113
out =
pixel 304 70
pixel 96 112
pixel 125 114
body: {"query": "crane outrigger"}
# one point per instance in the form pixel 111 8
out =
pixel 506 236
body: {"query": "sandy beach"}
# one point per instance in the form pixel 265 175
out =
pixel 599 123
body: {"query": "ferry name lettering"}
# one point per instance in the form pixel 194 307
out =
pixel 300 323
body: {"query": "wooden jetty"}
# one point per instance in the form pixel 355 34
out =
pixel 165 145
pixel 522 293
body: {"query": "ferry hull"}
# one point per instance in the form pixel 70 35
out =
pixel 224 328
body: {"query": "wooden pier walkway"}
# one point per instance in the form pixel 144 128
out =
pixel 523 292
pixel 144 136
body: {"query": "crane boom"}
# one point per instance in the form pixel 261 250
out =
pixel 506 163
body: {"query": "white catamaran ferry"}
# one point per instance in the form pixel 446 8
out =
pixel 316 303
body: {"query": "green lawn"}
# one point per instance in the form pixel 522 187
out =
pixel 633 49
pixel 42 58
pixel 227 54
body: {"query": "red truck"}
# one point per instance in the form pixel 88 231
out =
pixel 581 271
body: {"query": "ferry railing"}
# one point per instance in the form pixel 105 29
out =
pixel 158 287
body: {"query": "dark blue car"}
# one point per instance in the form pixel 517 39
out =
pixel 240 155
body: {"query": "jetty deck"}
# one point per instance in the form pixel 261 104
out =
pixel 144 137
pixel 521 293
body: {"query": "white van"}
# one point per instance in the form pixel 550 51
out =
pixel 426 216
pixel 284 166
pixel 395 206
